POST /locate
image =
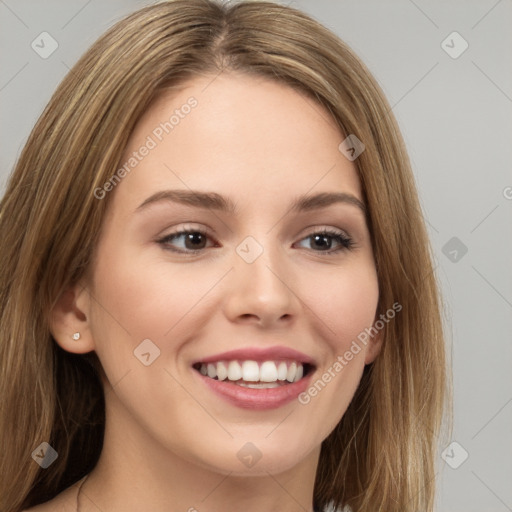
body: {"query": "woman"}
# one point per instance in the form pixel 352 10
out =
pixel 217 288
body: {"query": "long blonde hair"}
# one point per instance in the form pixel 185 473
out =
pixel 381 455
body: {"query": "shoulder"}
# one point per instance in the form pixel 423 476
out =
pixel 63 502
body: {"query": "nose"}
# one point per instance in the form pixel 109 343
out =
pixel 261 292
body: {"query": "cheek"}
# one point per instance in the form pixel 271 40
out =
pixel 345 312
pixel 141 296
pixel 146 298
pixel 345 302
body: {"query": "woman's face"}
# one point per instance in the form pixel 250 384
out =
pixel 258 288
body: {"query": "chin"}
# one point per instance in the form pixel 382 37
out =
pixel 256 457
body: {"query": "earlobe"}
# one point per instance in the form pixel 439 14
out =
pixel 374 347
pixel 69 323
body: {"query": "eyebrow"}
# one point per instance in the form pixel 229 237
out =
pixel 214 201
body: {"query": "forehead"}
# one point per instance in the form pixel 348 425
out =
pixel 245 136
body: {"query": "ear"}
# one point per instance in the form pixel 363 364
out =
pixel 374 346
pixel 70 316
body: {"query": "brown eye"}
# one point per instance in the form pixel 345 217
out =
pixel 324 241
pixel 191 240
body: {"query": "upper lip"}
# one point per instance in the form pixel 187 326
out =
pixel 260 355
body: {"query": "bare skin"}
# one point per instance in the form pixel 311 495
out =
pixel 171 444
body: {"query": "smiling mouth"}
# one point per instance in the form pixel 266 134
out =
pixel 254 374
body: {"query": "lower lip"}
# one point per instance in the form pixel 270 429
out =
pixel 250 398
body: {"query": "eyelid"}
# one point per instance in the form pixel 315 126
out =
pixel 348 243
pixel 183 229
pixel 345 240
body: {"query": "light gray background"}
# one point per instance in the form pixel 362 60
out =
pixel 455 116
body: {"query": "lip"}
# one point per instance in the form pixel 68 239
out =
pixel 258 354
pixel 256 399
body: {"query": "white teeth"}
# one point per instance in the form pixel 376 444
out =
pixel 282 371
pixel 267 372
pixel 222 371
pixel 250 371
pixel 259 385
pixel 292 370
pixel 234 371
pixel 212 370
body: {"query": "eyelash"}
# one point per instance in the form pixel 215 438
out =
pixel 346 242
